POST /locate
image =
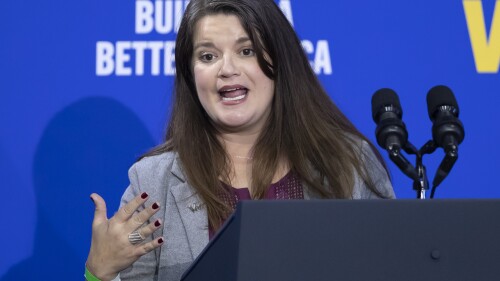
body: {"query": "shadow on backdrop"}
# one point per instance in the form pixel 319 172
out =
pixel 87 147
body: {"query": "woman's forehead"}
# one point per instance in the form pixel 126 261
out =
pixel 213 27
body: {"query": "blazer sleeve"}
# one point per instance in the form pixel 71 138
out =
pixel 376 172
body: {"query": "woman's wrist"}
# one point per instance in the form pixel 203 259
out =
pixel 90 275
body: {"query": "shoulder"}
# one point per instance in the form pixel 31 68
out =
pixel 375 169
pixel 155 174
pixel 151 164
pixel 365 151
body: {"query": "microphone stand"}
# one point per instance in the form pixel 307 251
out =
pixel 421 185
pixel 419 173
pixel 428 148
pixel 420 182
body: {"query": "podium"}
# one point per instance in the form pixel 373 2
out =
pixel 355 240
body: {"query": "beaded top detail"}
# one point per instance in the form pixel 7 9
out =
pixel 287 188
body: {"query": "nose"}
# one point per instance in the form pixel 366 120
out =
pixel 228 67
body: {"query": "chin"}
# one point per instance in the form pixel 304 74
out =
pixel 234 120
pixel 234 125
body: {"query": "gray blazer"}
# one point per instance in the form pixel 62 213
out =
pixel 185 229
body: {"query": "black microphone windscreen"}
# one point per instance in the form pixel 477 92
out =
pixel 384 97
pixel 439 96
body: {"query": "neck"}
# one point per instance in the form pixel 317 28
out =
pixel 239 145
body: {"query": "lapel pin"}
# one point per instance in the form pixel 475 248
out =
pixel 194 207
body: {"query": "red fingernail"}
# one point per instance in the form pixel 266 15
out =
pixel 157 223
pixel 155 206
pixel 160 240
pixel 144 195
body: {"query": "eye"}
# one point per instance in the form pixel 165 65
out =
pixel 248 52
pixel 207 57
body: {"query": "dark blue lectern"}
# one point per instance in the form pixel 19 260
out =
pixel 355 240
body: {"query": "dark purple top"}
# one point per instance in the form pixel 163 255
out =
pixel 288 187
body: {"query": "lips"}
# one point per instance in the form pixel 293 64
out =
pixel 233 93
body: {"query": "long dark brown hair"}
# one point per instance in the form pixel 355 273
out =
pixel 304 127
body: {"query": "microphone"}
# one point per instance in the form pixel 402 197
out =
pixel 387 113
pixel 391 132
pixel 447 130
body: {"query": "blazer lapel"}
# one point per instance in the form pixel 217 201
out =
pixel 191 210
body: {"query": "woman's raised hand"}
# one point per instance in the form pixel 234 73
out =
pixel 118 242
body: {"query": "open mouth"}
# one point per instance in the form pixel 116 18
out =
pixel 233 94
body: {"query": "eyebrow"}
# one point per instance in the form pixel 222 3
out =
pixel 209 44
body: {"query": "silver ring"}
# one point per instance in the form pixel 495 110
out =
pixel 135 238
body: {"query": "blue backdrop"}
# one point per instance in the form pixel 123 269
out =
pixel 86 87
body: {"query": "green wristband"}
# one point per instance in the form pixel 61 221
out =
pixel 89 276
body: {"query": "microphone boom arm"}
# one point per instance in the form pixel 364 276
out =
pixel 451 156
pixel 403 164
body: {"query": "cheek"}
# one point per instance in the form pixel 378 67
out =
pixel 200 82
pixel 270 86
pixel 202 79
pixel 203 84
pixel 264 83
pixel 267 87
